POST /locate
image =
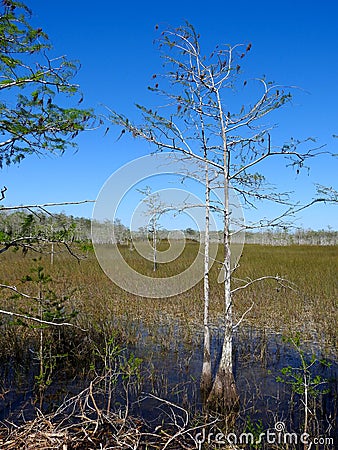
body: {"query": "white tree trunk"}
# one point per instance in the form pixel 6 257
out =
pixel 223 395
pixel 206 377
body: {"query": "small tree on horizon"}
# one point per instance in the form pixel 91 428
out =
pixel 154 210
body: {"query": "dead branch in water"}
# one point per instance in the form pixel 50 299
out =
pixel 80 423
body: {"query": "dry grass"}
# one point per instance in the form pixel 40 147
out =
pixel 310 307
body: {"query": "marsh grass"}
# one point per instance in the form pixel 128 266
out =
pixel 167 333
pixel 310 307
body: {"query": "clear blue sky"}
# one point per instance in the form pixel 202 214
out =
pixel 293 43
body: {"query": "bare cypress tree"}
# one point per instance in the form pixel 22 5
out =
pixel 155 209
pixel 201 119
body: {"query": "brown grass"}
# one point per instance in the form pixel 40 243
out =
pixel 310 307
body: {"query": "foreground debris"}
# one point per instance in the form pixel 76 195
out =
pixel 79 424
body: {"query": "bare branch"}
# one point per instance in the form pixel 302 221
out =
pixel 14 288
pixel 3 190
pixel 243 316
pixel 44 322
pixel 44 205
pixel 282 281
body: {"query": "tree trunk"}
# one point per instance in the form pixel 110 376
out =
pixel 206 377
pixel 223 396
pixel 154 245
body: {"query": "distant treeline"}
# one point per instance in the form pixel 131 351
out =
pixel 62 227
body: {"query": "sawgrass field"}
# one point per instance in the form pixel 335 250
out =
pixel 156 344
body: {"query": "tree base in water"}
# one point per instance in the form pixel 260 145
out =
pixel 223 397
pixel 206 384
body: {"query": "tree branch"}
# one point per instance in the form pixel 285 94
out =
pixel 14 288
pixel 44 205
pixel 44 322
pixel 277 278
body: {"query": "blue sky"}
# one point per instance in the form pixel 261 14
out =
pixel 293 43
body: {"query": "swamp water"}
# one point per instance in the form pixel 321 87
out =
pixel 171 369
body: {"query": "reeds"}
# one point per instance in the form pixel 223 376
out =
pixel 165 333
pixel 310 306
